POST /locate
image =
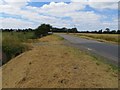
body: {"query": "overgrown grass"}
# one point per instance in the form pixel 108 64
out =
pixel 21 36
pixel 13 43
pixel 102 37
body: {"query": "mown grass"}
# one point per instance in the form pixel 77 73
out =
pixel 13 43
pixel 102 37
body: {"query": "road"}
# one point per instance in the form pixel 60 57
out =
pixel 108 51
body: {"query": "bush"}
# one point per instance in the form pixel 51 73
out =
pixel 42 30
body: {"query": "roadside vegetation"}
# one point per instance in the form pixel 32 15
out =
pixel 53 64
pixel 112 38
pixel 13 43
pixel 14 40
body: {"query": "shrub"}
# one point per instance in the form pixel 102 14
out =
pixel 42 30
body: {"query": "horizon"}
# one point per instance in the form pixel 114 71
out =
pixel 88 15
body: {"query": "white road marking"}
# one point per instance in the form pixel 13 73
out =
pixel 89 49
pixel 99 42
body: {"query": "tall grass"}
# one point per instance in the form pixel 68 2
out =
pixel 13 43
pixel 107 37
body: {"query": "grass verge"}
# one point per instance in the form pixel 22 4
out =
pixel 55 65
pixel 111 38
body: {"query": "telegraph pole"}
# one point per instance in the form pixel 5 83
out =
pixel 75 29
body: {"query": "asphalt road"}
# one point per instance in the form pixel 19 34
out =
pixel 108 51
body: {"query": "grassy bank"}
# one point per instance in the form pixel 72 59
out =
pixel 13 43
pixel 55 65
pixel 112 38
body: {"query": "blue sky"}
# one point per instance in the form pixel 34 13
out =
pixel 37 4
pixel 85 15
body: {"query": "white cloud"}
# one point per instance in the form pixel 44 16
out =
pixel 86 20
pixel 16 3
pixel 9 9
pixel 85 16
pixel 15 23
pixel 60 9
pixel 53 5
pixel 54 13
pixel 1 2
pixel 103 0
pixel 100 4
pixel 95 0
pixel 103 5
pixel 79 0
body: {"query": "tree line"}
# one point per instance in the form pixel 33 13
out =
pixel 45 29
pixel 42 30
pixel 106 31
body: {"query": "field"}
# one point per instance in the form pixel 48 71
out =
pixel 111 38
pixel 13 43
pixel 52 64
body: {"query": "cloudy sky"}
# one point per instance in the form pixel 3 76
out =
pixel 84 14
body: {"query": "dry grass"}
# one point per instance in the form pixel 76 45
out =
pixel 52 39
pixel 111 38
pixel 57 66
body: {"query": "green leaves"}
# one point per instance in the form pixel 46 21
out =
pixel 42 30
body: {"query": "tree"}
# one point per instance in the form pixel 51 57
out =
pixel 43 30
pixel 100 31
pixel 118 31
pixel 107 30
pixel 74 30
pixel 113 32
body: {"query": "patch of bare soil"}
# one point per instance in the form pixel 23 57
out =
pixel 57 66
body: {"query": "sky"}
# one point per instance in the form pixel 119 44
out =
pixel 82 14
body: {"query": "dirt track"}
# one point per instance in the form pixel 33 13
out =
pixel 53 65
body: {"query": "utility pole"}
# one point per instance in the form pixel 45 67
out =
pixel 75 29
pixel 67 31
